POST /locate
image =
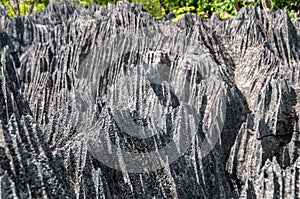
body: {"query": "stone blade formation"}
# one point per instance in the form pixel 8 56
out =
pixel 108 102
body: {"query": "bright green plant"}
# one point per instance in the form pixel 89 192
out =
pixel 159 8
pixel 19 7
pixel 180 12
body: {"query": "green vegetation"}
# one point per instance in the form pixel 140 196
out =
pixel 159 8
pixel 19 7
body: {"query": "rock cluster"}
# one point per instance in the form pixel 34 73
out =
pixel 108 102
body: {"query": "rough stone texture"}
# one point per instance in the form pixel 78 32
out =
pixel 70 74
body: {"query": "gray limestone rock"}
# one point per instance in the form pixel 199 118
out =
pixel 108 102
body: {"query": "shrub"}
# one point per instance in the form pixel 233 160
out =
pixel 158 8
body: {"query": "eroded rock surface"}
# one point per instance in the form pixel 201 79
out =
pixel 107 102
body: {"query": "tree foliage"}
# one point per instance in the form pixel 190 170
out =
pixel 159 8
pixel 19 7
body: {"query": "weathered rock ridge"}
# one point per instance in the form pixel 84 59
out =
pixel 107 102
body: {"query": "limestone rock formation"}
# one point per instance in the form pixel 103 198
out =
pixel 107 102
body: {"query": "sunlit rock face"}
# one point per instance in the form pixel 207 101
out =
pixel 107 102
